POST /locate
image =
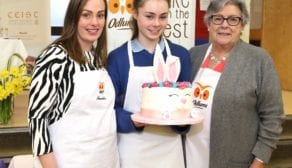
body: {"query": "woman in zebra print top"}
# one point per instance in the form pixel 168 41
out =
pixel 71 115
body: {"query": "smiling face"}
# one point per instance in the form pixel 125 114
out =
pixel 152 19
pixel 224 34
pixel 91 23
pixel 179 99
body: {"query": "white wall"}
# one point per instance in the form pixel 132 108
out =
pixel 58 9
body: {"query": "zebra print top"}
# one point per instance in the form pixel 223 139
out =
pixel 51 91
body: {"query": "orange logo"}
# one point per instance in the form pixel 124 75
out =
pixel 101 86
pixel 202 91
pixel 115 6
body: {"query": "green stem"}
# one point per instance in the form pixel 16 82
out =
pixel 11 58
pixel 5 111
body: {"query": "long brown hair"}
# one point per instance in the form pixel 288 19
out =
pixel 69 38
pixel 133 24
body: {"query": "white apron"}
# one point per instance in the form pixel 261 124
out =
pixel 86 135
pixel 198 138
pixel 156 146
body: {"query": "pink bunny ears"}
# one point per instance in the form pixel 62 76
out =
pixel 165 71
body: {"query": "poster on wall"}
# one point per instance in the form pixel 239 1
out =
pixel 204 4
pixel 27 20
pixel 181 27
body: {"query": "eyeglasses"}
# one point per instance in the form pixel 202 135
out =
pixel 231 20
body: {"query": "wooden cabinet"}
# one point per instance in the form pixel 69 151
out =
pixel 276 37
pixel 271 25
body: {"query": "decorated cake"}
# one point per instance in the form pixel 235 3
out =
pixel 166 101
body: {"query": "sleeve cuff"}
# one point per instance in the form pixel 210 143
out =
pixel 139 129
pixel 259 160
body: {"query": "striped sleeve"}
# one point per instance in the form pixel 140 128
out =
pixel 44 97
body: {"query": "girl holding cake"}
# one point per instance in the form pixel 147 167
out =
pixel 239 93
pixel 131 65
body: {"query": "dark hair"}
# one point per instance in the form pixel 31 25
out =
pixel 69 38
pixel 217 5
pixel 133 24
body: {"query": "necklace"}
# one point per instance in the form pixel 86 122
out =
pixel 216 60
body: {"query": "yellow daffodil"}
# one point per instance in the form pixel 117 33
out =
pixel 13 80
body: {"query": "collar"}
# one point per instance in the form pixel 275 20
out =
pixel 137 46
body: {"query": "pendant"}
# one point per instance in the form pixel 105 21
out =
pixel 217 60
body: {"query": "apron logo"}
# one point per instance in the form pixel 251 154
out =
pixel 201 95
pixel 199 104
pixel 116 6
pixel 100 95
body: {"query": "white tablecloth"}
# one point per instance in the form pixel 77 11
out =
pixel 7 48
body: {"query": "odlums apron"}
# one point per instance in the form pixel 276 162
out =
pixel 156 146
pixel 198 138
pixel 86 135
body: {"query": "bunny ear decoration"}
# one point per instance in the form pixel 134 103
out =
pixel 159 65
pixel 172 68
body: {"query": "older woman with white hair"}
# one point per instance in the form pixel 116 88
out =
pixel 237 90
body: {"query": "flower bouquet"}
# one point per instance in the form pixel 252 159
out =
pixel 13 80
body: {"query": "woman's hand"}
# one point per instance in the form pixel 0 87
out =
pixel 257 164
pixel 137 124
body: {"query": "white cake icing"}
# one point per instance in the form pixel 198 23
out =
pixel 166 99
pixel 168 103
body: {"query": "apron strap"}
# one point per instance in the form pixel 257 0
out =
pixel 166 46
pixel 130 54
pixel 207 53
